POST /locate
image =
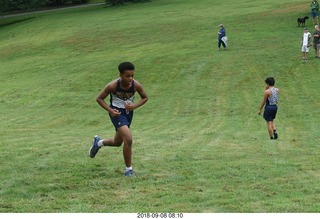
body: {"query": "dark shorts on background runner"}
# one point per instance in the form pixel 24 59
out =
pixel 124 118
pixel 314 14
pixel 270 113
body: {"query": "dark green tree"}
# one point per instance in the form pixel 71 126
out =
pixel 121 2
pixel 9 5
pixel 22 5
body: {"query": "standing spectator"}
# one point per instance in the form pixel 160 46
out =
pixel 222 37
pixel 314 8
pixel 316 41
pixel 305 44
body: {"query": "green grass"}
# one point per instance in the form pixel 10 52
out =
pixel 199 145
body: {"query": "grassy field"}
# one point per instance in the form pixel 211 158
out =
pixel 199 145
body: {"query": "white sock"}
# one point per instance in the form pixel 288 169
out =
pixel 128 168
pixel 100 143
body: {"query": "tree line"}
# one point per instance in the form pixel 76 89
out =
pixel 23 5
pixel 120 2
pixel 17 5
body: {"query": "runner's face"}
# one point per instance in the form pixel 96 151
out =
pixel 127 77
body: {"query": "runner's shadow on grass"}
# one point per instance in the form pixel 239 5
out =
pixel 4 23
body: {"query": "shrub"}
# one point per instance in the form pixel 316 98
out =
pixel 120 2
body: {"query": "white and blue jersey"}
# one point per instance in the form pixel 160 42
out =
pixel 118 100
pixel 271 107
pixel 273 98
pixel 120 96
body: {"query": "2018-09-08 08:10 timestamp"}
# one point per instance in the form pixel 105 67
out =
pixel 160 215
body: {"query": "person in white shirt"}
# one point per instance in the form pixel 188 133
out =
pixel 305 44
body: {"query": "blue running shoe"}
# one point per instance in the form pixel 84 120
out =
pixel 95 148
pixel 129 173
